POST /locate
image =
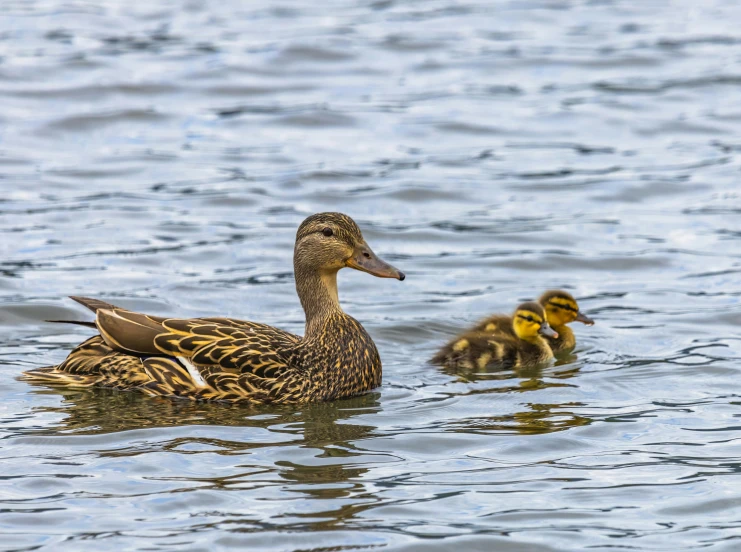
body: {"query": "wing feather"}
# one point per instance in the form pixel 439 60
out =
pixel 220 358
pixel 94 362
pixel 128 331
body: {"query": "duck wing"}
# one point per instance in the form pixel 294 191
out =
pixel 93 363
pixel 202 358
pixel 226 360
pixel 206 341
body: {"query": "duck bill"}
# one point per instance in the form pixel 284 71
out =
pixel 584 319
pixel 365 260
pixel 547 331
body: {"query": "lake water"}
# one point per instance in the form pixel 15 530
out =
pixel 161 154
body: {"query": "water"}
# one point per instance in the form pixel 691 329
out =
pixel 161 154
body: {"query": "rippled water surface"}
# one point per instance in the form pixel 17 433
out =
pixel 161 154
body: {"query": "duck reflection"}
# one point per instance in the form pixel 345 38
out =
pixel 99 411
pixel 531 377
pixel 333 470
pixel 337 444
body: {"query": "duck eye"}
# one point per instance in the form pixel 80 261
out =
pixel 327 232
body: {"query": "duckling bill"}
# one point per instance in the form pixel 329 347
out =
pixel 236 360
pixel 525 346
pixel 561 309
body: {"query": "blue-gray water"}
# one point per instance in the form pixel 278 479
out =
pixel 161 154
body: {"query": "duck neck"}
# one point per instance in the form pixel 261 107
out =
pixel 566 337
pixel 318 294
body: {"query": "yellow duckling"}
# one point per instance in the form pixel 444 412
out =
pixel 560 309
pixel 525 346
pixel 236 360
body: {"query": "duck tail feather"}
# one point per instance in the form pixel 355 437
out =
pixel 78 322
pixel 92 304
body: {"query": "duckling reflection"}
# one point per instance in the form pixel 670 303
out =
pixel 537 420
pixel 524 378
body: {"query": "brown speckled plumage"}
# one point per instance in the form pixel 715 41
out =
pixel 479 349
pixel 561 309
pixel 233 360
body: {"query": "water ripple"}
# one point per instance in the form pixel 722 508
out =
pixel 161 155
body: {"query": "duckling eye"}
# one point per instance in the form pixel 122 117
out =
pixel 327 232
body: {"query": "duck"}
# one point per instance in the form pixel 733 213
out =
pixel 231 360
pixel 561 309
pixel 526 346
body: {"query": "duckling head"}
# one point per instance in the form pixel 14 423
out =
pixel 529 322
pixel 328 242
pixel 561 308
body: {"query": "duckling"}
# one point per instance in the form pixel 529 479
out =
pixel 560 309
pixel 525 346
pixel 235 360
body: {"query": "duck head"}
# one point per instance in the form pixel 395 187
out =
pixel 561 308
pixel 529 322
pixel 328 242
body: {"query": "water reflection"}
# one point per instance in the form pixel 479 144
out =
pixel 499 149
pixel 537 418
pixel 94 411
pixel 531 377
pixel 326 427
pixel 329 472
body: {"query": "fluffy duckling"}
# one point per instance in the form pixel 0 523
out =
pixel 524 346
pixel 560 309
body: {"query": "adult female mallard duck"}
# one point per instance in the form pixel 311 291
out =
pixel 526 346
pixel 560 309
pixel 235 360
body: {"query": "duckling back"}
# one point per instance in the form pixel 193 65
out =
pixel 478 350
pixel 496 324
